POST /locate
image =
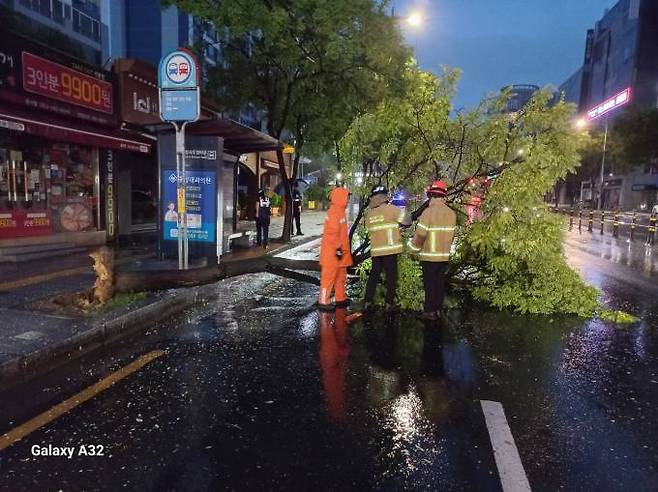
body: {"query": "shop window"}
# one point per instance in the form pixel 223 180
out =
pixel 48 187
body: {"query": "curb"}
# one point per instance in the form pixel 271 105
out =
pixel 104 332
pixel 99 334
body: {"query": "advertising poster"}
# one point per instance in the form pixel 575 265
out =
pixel 201 205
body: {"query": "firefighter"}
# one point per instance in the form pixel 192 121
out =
pixel 297 211
pixel 335 252
pixel 431 242
pixel 263 214
pixel 383 222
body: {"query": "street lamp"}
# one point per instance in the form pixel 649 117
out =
pixel 581 123
pixel 415 19
pixel 618 100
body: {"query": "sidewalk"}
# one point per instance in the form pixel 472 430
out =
pixel 33 342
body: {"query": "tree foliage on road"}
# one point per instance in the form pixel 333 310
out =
pixel 512 257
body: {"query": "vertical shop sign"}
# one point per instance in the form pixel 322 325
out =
pixel 110 196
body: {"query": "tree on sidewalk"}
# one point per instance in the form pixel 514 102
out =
pixel 311 65
pixel 512 257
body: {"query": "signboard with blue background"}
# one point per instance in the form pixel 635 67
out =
pixel 205 175
pixel 178 81
pixel 201 193
pixel 178 70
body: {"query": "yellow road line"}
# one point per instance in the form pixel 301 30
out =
pixel 67 405
pixel 37 279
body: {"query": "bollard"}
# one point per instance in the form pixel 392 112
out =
pixel 615 225
pixel 571 219
pixel 651 231
pixel 580 220
pixel 590 221
pixel 633 225
pixel 602 220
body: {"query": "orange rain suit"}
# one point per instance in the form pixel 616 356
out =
pixel 335 237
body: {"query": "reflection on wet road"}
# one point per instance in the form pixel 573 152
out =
pixel 257 390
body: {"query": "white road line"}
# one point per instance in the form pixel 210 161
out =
pixel 508 461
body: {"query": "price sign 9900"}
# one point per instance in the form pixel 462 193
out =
pixel 52 80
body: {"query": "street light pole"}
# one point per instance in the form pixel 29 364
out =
pixel 605 146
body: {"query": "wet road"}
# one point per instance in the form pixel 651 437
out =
pixel 256 390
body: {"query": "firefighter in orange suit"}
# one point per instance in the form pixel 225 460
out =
pixel 431 242
pixel 335 252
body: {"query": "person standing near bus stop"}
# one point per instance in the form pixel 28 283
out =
pixel 297 211
pixel 263 214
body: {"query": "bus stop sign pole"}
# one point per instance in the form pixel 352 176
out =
pixel 180 103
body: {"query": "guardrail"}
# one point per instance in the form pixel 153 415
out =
pixel 632 227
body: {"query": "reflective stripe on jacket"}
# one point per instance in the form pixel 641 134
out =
pixel 434 232
pixel 383 224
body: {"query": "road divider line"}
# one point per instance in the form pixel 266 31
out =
pixel 510 469
pixel 67 405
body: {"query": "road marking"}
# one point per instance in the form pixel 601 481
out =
pixel 508 461
pixel 37 279
pixel 69 404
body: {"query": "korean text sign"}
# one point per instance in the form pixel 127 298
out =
pixel 201 203
pixel 50 79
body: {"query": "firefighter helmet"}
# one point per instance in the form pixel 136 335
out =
pixel 378 190
pixel 438 189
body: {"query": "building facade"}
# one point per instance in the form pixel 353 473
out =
pixel 520 95
pixel 620 53
pixel 73 26
pixel 60 145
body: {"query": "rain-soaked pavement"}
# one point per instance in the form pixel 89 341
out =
pixel 257 390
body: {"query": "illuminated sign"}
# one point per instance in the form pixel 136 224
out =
pixel 46 78
pixel 614 102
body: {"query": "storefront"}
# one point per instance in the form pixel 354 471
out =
pixel 59 144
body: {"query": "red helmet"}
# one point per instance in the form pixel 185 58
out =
pixel 437 189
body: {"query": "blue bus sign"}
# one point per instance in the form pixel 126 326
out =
pixel 179 105
pixel 178 70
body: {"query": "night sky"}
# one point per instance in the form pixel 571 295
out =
pixel 501 42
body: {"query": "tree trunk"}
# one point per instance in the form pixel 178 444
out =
pixel 171 279
pixel 105 275
pixel 287 218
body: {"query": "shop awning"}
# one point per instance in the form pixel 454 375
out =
pixel 238 138
pixel 42 125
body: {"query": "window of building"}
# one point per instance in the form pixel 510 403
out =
pixel 44 8
pixel 58 11
pixel 85 25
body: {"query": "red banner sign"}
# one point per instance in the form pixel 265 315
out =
pixel 41 76
pixel 22 223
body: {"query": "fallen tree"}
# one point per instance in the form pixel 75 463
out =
pixel 139 280
pixel 501 165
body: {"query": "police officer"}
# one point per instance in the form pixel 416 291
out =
pixel 383 222
pixel 263 214
pixel 431 242
pixel 297 211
